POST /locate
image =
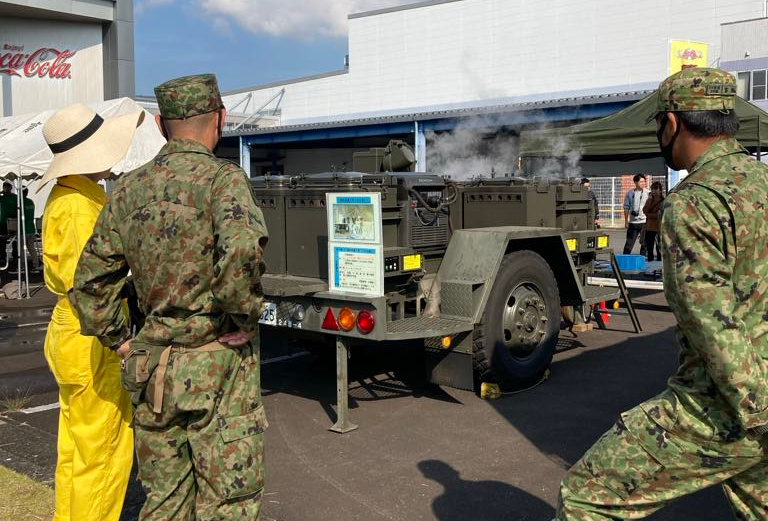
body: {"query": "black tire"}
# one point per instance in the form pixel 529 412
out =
pixel 516 338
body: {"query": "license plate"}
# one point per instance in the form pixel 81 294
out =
pixel 269 316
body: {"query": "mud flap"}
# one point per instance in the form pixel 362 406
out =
pixel 450 368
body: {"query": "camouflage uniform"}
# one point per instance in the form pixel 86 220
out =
pixel 707 427
pixel 187 227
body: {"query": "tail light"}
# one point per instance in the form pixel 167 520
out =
pixel 346 319
pixel 365 322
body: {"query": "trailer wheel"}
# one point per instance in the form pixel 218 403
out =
pixel 515 340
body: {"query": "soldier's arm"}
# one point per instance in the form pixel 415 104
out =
pixel 99 279
pixel 239 238
pixel 698 252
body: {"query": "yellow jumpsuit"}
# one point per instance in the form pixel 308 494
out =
pixel 95 443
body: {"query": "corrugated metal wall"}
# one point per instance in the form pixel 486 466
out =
pixel 746 37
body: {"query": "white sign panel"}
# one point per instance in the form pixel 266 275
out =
pixel 355 254
pixel 356 269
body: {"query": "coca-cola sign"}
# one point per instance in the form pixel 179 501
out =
pixel 45 62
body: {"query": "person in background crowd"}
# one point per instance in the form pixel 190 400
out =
pixel 634 218
pixel 710 425
pixel 30 230
pixel 651 210
pixel 95 440
pixel 8 205
pixel 593 198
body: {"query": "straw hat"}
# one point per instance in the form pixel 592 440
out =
pixel 83 142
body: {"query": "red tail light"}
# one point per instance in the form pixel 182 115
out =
pixel 365 322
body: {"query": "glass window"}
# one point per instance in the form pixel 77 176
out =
pixel 758 85
pixel 742 84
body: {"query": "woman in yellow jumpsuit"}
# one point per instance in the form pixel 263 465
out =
pixel 95 440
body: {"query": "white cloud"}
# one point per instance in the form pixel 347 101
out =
pixel 293 18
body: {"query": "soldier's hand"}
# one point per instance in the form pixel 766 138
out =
pixel 123 349
pixel 237 338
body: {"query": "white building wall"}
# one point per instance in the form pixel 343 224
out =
pixel 474 50
pixel 35 94
pixel 745 49
pixel 745 37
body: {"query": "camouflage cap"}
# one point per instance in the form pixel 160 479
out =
pixel 188 96
pixel 696 89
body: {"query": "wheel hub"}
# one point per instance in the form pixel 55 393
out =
pixel 524 321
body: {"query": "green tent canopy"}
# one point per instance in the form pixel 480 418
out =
pixel 627 141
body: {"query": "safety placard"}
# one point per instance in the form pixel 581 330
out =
pixel 411 262
pixel 357 269
pixel 355 252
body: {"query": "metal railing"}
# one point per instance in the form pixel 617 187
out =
pixel 610 192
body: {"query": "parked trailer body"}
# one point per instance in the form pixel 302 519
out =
pixel 478 270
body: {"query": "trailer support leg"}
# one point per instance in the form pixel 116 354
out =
pixel 342 424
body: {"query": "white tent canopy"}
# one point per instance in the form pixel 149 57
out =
pixel 23 150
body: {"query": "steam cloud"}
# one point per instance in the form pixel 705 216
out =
pixel 298 18
pixel 472 149
pixel 564 159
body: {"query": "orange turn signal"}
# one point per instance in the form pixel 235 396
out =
pixel 346 319
pixel 446 341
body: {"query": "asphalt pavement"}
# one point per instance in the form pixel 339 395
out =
pixel 422 452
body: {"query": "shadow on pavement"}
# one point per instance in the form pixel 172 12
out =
pixel 480 500
pixel 376 372
pixel 563 424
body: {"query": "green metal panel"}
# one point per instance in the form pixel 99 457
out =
pixel 554 250
pixel 273 208
pixel 473 258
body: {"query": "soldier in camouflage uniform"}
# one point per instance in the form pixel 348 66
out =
pixel 189 231
pixel 709 425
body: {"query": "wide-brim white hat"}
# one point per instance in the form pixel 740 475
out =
pixel 83 142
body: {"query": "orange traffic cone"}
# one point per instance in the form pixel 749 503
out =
pixel 604 315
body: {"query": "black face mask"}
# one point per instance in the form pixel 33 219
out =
pixel 666 151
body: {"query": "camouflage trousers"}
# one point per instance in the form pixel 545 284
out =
pixel 637 467
pixel 201 458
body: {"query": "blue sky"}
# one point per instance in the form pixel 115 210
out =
pixel 244 42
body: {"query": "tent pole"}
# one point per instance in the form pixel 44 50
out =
pixel 19 251
pixel 23 235
pixel 759 148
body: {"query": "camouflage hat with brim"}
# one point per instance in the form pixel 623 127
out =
pixel 696 89
pixel 188 96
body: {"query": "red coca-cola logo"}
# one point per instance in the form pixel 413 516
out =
pixel 45 62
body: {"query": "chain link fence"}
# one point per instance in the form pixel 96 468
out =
pixel 610 192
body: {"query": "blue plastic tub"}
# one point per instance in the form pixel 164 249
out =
pixel 630 262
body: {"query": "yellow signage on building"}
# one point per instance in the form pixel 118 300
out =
pixel 685 54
